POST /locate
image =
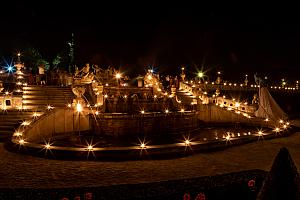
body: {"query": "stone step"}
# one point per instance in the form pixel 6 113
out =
pixel 46 92
pixel 10 122
pixel 9 127
pixel 6 131
pixel 5 137
pixel 43 106
pixel 16 115
pixel 48 97
pixel 23 112
pixel 46 101
pixel 45 87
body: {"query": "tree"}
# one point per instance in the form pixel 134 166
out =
pixel 56 61
pixel 33 59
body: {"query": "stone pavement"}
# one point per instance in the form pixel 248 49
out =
pixel 24 171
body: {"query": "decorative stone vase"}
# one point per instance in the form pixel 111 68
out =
pixel 78 90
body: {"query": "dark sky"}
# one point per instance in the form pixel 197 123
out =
pixel 236 41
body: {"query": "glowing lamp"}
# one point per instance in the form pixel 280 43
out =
pixel 49 107
pixel 17 134
pixel 21 141
pixel 118 75
pixel 277 130
pixel 237 104
pixel 90 148
pixel 187 142
pixel 143 145
pixel 10 68
pixel 78 107
pixel 227 137
pixel 200 74
pixel 25 123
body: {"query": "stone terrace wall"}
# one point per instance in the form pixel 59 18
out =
pixel 215 114
pixel 126 124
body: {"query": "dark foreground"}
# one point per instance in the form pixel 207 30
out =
pixel 239 185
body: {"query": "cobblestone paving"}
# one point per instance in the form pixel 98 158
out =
pixel 25 171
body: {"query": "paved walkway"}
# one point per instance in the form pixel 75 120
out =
pixel 25 171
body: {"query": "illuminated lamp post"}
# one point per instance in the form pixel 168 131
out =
pixel 218 81
pixel 283 82
pixel 246 80
pixel 201 75
pixel 182 74
pixel 118 76
pixel 79 110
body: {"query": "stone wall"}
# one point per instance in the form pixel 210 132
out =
pixel 55 124
pixel 121 105
pixel 214 114
pixel 151 123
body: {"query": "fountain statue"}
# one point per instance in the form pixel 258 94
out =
pixel 81 78
pixel 152 80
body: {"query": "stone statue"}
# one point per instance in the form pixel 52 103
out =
pixel 255 99
pixel 83 76
pixel 219 80
pixel 258 80
pixel 217 92
pixel 246 81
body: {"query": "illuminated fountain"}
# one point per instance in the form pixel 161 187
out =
pixel 127 121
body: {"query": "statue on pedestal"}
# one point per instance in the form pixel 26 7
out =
pixel 217 92
pixel 81 78
pixel 255 99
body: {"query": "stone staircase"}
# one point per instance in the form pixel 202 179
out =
pixel 10 120
pixel 35 100
pixel 185 97
pixel 38 97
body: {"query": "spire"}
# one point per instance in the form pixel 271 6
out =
pixel 71 53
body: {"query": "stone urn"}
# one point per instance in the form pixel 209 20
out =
pixel 78 90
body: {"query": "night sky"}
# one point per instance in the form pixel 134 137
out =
pixel 235 41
